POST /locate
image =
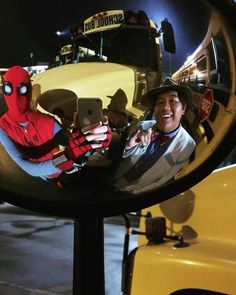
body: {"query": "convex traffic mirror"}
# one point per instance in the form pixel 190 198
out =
pixel 122 63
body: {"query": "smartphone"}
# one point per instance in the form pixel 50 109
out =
pixel 89 111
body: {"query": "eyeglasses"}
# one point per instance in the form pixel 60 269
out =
pixel 22 89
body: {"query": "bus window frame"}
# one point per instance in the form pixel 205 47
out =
pixel 202 70
pixel 153 46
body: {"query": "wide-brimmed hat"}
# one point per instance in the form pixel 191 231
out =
pixel 185 92
pixel 118 102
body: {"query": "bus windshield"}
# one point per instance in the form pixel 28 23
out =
pixel 130 46
pixel 118 36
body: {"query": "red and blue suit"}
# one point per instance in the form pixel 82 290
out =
pixel 36 141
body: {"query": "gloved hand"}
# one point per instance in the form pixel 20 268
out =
pixel 101 135
pixel 90 138
pixel 78 145
pixel 82 144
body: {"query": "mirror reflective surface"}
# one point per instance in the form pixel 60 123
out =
pixel 122 66
pixel 209 74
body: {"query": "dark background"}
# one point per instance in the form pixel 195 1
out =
pixel 30 27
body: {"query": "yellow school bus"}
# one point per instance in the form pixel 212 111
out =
pixel 188 243
pixel 113 54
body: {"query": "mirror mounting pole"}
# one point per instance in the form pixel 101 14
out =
pixel 88 260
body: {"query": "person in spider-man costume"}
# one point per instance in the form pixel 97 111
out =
pixel 37 141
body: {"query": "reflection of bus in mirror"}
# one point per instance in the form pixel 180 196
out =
pixel 115 56
pixel 209 71
pixel 110 51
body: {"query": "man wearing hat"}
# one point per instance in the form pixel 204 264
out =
pixel 160 147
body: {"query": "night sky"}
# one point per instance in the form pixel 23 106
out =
pixel 30 26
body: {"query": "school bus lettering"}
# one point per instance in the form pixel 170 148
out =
pixel 99 21
pixel 89 26
pixel 110 20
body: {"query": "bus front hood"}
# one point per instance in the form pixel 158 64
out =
pixel 65 83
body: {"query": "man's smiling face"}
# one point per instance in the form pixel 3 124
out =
pixel 168 110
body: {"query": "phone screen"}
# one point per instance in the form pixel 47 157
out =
pixel 89 111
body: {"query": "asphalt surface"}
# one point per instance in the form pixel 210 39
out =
pixel 36 253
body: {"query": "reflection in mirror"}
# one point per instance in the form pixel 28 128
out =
pixel 160 146
pixel 59 102
pixel 121 63
pixel 209 73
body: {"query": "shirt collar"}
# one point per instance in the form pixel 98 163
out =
pixel 171 133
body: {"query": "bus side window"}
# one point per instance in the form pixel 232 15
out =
pixel 223 64
pixel 213 71
pixel 202 69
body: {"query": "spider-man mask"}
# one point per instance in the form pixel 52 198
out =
pixel 17 90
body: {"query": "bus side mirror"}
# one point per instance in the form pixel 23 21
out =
pixel 168 36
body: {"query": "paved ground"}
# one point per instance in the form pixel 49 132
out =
pixel 36 253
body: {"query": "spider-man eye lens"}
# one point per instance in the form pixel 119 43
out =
pixel 23 89
pixel 7 88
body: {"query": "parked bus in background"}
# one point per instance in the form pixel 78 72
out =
pixel 2 73
pixel 209 72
